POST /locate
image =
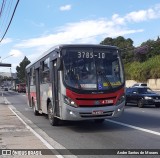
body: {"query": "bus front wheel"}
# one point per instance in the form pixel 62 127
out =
pixel 51 115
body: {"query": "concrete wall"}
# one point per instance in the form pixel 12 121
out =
pixel 152 83
pixel 130 83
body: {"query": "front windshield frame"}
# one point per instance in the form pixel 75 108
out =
pixel 95 86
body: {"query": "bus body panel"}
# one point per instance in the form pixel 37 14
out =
pixel 33 95
pixel 93 106
pixel 45 95
pixel 89 100
pixel 71 113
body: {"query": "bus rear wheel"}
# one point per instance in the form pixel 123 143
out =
pixel 51 115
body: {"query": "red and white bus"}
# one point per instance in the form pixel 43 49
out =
pixel 77 82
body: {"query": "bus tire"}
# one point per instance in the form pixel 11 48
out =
pixel 36 113
pixel 51 115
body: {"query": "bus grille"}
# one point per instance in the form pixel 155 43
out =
pixel 101 105
pixel 89 114
pixel 96 98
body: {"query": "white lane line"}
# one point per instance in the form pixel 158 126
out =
pixel 134 127
pixel 36 134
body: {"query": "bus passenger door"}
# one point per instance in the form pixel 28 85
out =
pixel 55 86
pixel 28 89
pixel 37 73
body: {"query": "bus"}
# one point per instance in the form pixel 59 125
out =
pixel 77 82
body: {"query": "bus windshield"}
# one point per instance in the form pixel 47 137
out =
pixel 92 68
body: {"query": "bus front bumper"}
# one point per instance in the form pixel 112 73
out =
pixel 72 113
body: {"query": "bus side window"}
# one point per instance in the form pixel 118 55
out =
pixel 45 71
pixel 46 76
pixel 32 76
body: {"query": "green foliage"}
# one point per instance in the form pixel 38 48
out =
pixel 140 63
pixel 141 71
pixel 21 69
pixel 126 46
pixel 120 42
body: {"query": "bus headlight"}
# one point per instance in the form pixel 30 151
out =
pixel 69 101
pixel 121 99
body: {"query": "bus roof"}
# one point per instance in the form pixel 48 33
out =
pixel 69 45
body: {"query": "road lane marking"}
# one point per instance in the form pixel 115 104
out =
pixel 49 146
pixel 134 127
pixel 53 145
pixel 34 132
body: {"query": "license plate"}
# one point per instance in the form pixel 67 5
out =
pixel 97 112
pixel 157 100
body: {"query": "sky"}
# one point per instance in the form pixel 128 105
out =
pixel 41 24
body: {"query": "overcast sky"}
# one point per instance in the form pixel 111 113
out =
pixel 41 24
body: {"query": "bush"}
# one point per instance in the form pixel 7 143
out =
pixel 142 71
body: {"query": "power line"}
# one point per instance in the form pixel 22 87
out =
pixel 10 21
pixel 6 17
pixel 2 7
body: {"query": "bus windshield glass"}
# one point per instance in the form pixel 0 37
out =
pixel 92 68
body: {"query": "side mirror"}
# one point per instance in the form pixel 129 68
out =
pixel 59 64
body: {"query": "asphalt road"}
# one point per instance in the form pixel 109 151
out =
pixel 137 128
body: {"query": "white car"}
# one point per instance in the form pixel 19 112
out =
pixel 140 85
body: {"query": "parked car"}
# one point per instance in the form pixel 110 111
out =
pixel 140 85
pixel 142 96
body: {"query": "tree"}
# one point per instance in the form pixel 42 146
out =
pixel 126 45
pixel 21 69
pixel 153 49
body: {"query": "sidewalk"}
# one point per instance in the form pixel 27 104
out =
pixel 15 135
